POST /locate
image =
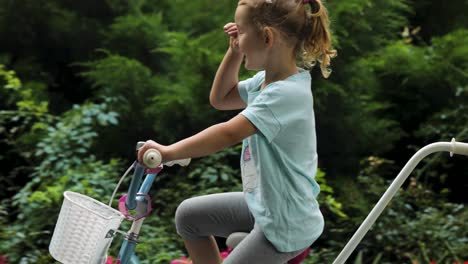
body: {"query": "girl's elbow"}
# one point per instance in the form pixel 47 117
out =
pixel 217 106
pixel 213 102
pixel 216 103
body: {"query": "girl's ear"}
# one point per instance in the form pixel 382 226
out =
pixel 268 36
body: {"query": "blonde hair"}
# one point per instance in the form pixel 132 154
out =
pixel 304 25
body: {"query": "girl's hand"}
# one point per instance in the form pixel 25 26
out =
pixel 150 144
pixel 231 30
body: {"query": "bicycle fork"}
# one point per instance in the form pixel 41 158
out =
pixel 127 251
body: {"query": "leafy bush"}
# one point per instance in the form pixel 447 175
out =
pixel 60 146
pixel 418 224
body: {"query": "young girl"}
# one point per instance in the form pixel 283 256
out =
pixel 278 204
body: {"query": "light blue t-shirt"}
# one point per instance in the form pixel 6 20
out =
pixel 279 162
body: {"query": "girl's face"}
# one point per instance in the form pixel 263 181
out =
pixel 251 42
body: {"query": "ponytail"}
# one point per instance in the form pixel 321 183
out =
pixel 315 43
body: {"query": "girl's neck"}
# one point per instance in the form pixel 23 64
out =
pixel 279 65
pixel 278 72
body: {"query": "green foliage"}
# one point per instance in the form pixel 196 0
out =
pixel 10 81
pixel 119 75
pixel 135 36
pixel 447 123
pixel 195 18
pixel 379 23
pixel 327 196
pixel 433 75
pixel 24 112
pixel 432 84
pixel 27 100
pixel 419 225
pixel 359 258
pixel 62 151
pixel 347 112
pixel 159 242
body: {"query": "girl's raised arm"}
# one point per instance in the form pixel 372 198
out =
pixel 224 94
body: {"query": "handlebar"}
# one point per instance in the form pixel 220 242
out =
pixel 152 158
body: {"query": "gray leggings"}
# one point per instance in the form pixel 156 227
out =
pixel 222 214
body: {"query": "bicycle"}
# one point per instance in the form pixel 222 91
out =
pixel 67 246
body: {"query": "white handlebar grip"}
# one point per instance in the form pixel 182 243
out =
pixel 152 158
pixel 182 162
pixel 459 148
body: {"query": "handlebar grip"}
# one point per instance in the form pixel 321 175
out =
pixel 152 158
pixel 182 162
pixel 459 148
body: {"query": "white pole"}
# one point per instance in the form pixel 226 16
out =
pixel 452 147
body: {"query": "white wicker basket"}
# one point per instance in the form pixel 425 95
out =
pixel 82 233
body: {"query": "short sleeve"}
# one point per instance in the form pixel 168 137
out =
pixel 249 84
pixel 280 106
pixel 242 88
pixel 263 119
